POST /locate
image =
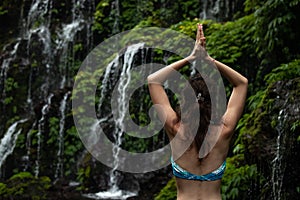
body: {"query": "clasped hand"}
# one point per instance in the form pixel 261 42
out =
pixel 199 51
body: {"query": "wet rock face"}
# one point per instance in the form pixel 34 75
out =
pixel 220 10
pixel 279 111
pixel 271 138
pixel 286 109
pixel 285 154
pixel 287 96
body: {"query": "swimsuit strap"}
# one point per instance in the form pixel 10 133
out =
pixel 212 176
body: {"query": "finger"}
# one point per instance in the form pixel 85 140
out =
pixel 203 43
pixel 198 34
pixel 201 31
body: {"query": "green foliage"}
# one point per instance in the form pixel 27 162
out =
pixel 3 11
pixel 274 28
pixel 3 189
pixel 111 18
pixel 189 27
pixel 231 42
pixel 78 47
pixel 25 186
pixel 8 100
pixel 10 84
pixel 238 177
pixel 21 141
pixel 32 134
pixel 258 129
pixel 86 82
pixel 284 72
pixel 255 100
pixel 250 125
pixel 72 146
pixel 54 129
pixel 168 192
pixel 83 175
pixel 135 145
pixel 100 16
pixel 143 11
pixel 295 125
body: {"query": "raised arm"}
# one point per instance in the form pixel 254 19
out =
pixel 237 98
pixel 155 81
pixel 238 95
pixel 159 96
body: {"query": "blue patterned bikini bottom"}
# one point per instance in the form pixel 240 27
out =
pixel 212 176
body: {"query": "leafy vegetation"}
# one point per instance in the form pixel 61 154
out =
pixel 25 186
pixel 238 177
pixel 168 192
pixel 261 41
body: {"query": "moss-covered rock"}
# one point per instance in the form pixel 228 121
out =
pixel 25 186
pixel 168 192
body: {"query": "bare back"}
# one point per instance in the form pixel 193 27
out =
pixel 189 160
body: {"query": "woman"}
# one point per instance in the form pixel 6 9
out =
pixel 198 177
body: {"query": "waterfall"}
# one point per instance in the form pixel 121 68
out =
pixel 219 10
pixel 59 168
pixel 114 192
pixel 11 55
pixel 8 142
pixel 66 37
pixel 45 51
pixel 35 33
pixel 41 122
pixel 39 13
pixel 116 16
pixel 278 163
pixel 105 82
pixel 125 78
pixel 28 146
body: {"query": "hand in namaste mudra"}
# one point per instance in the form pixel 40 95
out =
pixel 199 51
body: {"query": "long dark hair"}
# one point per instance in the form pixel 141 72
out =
pixel 193 107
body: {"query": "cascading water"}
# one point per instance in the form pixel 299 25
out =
pixel 217 9
pixel 8 142
pixel 26 158
pixel 284 165
pixel 278 164
pixel 39 11
pixel 116 16
pixel 66 37
pixel 4 68
pixel 125 78
pixel 41 123
pixel 114 192
pixel 46 50
pixel 62 109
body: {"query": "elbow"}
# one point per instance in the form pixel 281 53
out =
pixel 245 81
pixel 241 83
pixel 150 79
